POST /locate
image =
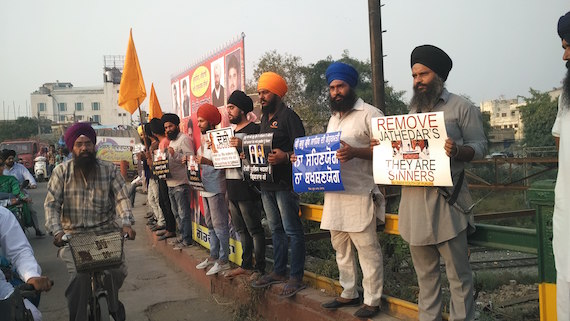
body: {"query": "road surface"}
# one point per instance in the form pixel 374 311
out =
pixel 152 291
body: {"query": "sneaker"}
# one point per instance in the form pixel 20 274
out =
pixel 181 245
pixel 174 241
pixel 218 268
pixel 205 264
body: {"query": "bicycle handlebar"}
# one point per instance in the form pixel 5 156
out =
pixel 67 237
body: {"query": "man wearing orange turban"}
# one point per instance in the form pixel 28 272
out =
pixel 272 82
pixel 280 203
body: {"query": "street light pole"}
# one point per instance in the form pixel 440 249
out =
pixel 56 107
pixel 39 127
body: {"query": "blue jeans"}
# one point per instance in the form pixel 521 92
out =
pixel 282 209
pixel 217 216
pixel 180 204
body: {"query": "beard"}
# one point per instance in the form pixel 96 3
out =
pixel 345 103
pixel 173 134
pixel 271 106
pixel 85 162
pixel 566 88
pixel 237 119
pixel 424 101
pixel 205 130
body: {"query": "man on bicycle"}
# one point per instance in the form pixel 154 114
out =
pixel 86 194
pixel 15 247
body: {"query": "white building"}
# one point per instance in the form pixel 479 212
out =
pixel 506 115
pixel 63 103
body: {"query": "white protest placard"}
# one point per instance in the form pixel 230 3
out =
pixel 411 150
pixel 223 155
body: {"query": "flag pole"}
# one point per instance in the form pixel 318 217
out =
pixel 142 125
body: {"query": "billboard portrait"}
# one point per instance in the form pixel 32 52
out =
pixel 175 96
pixel 218 96
pixel 185 94
pixel 233 71
pixel 207 82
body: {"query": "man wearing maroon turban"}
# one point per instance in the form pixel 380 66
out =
pixel 86 194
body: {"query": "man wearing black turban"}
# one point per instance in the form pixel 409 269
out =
pixel 560 221
pixel 435 221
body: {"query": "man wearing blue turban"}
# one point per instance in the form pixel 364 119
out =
pixel 361 197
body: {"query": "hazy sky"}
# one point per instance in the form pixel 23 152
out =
pixel 498 47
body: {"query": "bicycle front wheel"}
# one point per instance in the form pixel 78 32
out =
pixel 102 309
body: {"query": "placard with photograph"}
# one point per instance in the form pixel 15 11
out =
pixel 411 150
pixel 256 148
pixel 160 164
pixel 223 155
pixel 194 174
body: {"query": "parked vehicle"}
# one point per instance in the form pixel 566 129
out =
pixel 40 168
pixel 496 155
pixel 26 151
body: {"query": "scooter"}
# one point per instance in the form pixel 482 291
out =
pixel 40 168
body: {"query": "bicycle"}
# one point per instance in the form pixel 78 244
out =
pixel 94 253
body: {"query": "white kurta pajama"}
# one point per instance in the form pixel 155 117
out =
pixel 350 215
pixel 561 216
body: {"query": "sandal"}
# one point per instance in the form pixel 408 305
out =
pixel 292 287
pixel 267 280
pixel 235 272
pixel 166 236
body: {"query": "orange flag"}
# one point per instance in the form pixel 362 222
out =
pixel 154 110
pixel 132 91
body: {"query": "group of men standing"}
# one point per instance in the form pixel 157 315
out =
pixel 434 221
pixel 434 225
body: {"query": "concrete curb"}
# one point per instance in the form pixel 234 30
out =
pixel 306 305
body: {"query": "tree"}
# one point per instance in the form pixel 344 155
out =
pixel 308 91
pixel 287 66
pixel 23 127
pixel 316 89
pixel 538 116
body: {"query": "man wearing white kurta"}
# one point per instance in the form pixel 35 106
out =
pixel 15 247
pixel 350 215
pixel 561 218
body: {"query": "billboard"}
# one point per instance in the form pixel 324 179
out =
pixel 211 80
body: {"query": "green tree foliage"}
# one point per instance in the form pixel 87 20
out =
pixel 538 116
pixel 22 128
pixel 317 89
pixel 287 66
pixel 308 90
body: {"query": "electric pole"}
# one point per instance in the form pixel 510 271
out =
pixel 376 54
